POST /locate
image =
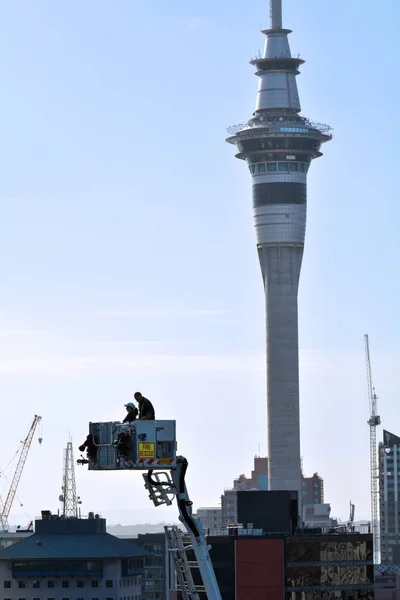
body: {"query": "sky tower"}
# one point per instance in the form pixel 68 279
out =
pixel 278 145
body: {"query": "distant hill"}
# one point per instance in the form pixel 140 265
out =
pixel 134 530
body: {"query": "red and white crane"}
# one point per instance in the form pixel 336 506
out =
pixel 5 509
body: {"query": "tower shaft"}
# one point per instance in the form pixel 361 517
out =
pixel 281 268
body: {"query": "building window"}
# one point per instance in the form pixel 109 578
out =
pixel 283 166
pixel 109 583
pixel 50 584
pixel 80 583
pixel 95 583
pixel 293 166
pixel 7 584
pixel 21 584
pixel 301 167
pixel 65 583
pixel 36 584
pixel 294 129
pixel 261 168
pixel 271 166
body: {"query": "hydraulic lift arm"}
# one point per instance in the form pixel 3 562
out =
pixel 162 488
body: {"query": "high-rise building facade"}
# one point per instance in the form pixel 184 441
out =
pixel 389 497
pixel 257 481
pixel 210 517
pixel 156 565
pixel 312 491
pixel 278 146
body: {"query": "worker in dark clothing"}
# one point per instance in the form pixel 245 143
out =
pixel 146 409
pixel 91 448
pixel 132 413
pixel 123 441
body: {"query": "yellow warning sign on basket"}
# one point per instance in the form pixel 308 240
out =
pixel 146 450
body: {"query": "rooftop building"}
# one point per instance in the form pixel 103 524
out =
pixel 8 538
pixel 156 566
pixel 312 489
pixel 71 559
pixel 318 515
pixel 210 517
pixel 257 481
pixel 271 557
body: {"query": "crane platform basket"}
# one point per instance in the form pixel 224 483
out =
pixel 141 445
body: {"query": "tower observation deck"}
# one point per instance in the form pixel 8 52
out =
pixel 278 145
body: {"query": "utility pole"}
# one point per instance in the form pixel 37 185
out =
pixel 374 420
pixel 69 500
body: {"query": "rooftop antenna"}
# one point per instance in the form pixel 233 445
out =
pixel 69 500
pixel 276 14
pixel 350 524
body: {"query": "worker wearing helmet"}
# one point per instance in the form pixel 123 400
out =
pixel 132 413
pixel 146 409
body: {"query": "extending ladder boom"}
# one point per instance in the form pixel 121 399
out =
pixel 162 488
pixel 182 568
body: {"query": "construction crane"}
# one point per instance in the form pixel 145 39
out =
pixel 69 500
pixel 373 421
pixel 151 446
pixel 5 510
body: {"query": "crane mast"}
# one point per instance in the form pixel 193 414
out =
pixel 17 475
pixel 373 421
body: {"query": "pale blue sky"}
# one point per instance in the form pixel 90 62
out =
pixel 127 250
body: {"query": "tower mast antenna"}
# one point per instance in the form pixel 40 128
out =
pixel 276 14
pixel 69 500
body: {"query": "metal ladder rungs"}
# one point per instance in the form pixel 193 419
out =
pixel 182 568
